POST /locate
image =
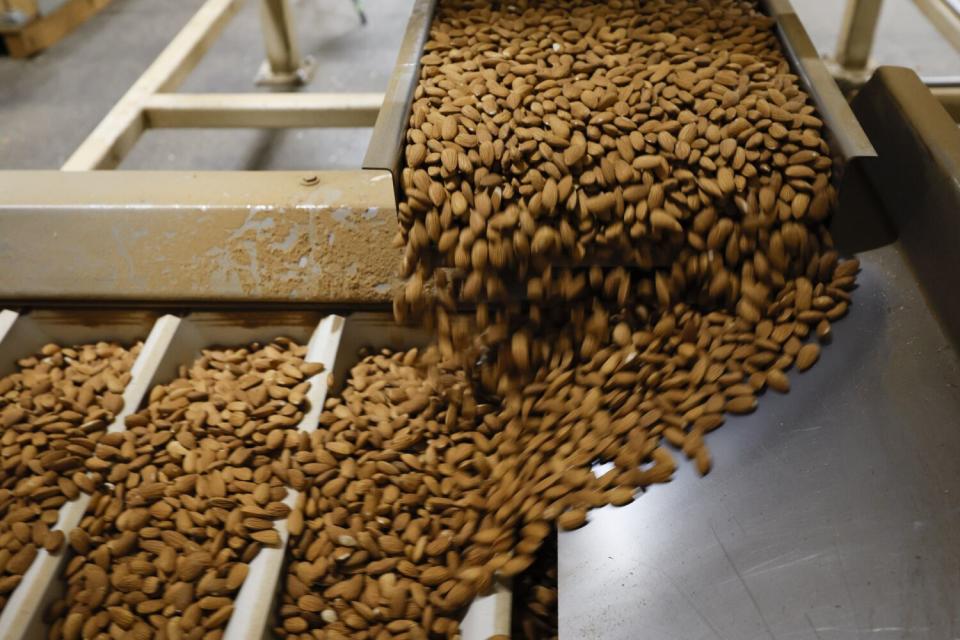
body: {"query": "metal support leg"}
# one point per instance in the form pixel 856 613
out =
pixel 283 66
pixel 945 16
pixel 852 59
pixel 116 134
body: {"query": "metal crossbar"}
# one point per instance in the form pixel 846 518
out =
pixel 151 103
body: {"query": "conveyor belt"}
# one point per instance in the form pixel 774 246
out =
pixel 846 137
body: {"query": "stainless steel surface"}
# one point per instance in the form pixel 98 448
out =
pixel 832 513
pixel 201 238
pixel 386 144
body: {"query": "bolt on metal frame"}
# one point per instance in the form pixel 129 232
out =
pixel 151 103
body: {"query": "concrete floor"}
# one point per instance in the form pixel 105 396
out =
pixel 49 104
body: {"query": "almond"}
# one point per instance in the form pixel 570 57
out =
pixel 808 356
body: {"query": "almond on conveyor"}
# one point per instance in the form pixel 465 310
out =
pixel 808 355
pixel 184 540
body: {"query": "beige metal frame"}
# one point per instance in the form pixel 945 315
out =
pixel 851 63
pixel 198 238
pixel 203 237
pixel 151 103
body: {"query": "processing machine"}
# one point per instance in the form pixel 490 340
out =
pixel 834 512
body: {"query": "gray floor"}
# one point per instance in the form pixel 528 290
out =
pixel 49 104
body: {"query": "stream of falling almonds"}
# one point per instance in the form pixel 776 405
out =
pixel 613 216
pixel 631 197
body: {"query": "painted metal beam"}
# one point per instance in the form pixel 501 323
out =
pixel 262 110
pixel 197 238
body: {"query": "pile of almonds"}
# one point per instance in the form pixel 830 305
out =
pixel 632 197
pixel 186 498
pixel 615 155
pixel 389 540
pixel 54 410
pixel 430 487
pixel 631 201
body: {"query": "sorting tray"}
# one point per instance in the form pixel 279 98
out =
pixel 489 615
pixel 24 335
pixel 385 151
pixel 173 342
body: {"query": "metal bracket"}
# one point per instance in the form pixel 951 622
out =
pixel 268 77
pixel 284 66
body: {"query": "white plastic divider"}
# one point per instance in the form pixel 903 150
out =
pixel 489 615
pixel 254 604
pixel 21 618
pixel 7 318
pixel 145 367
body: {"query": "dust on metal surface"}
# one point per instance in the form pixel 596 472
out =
pixel 244 236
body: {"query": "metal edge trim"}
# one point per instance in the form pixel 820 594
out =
pixel 918 179
pixel 850 139
pixel 386 144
